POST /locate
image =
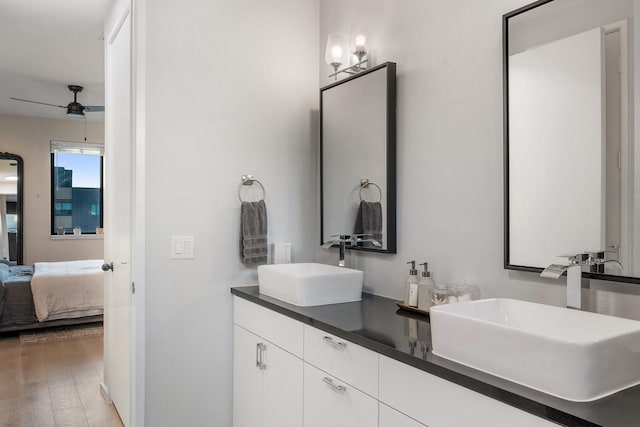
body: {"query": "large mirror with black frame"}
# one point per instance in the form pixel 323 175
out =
pixel 572 169
pixel 11 208
pixel 357 160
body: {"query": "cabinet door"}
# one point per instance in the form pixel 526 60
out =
pixel 328 402
pixel 247 380
pixel 282 388
pixel 389 417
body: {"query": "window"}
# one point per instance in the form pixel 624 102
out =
pixel 76 187
pixel 12 223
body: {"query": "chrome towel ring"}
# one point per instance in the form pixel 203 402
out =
pixel 365 183
pixel 250 180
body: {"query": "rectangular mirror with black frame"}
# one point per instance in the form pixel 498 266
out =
pixel 358 160
pixel 572 170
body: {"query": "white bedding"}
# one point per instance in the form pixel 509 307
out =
pixel 65 290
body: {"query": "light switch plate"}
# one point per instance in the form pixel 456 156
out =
pixel 182 247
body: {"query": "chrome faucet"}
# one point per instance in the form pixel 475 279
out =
pixel 341 241
pixel 346 240
pixel 597 261
pixel 574 277
pixel 594 259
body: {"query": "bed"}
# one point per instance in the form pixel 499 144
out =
pixel 50 294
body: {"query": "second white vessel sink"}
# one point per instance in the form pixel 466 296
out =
pixel 308 284
pixel 571 354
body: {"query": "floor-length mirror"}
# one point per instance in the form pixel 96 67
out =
pixel 11 208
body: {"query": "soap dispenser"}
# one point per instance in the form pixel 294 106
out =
pixel 411 298
pixel 426 285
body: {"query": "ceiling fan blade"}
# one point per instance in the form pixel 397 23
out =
pixel 93 108
pixel 36 102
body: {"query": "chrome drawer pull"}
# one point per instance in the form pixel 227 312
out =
pixel 260 348
pixel 338 388
pixel 337 344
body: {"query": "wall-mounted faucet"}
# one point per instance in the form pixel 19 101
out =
pixel 595 260
pixel 574 277
pixel 344 241
pixel 341 241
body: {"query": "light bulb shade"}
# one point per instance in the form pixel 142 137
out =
pixel 360 38
pixel 336 53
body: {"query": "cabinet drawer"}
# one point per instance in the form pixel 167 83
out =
pixel 329 402
pixel 389 417
pixel 343 359
pixel 437 402
pixel 280 330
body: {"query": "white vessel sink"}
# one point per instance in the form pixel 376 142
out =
pixel 571 354
pixel 307 284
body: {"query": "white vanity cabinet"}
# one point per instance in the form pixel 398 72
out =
pixel 290 374
pixel 267 374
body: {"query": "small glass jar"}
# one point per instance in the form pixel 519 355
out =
pixel 456 293
pixel 463 292
pixel 440 295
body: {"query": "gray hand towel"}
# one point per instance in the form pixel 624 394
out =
pixel 369 221
pixel 253 233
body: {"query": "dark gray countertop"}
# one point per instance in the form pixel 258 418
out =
pixel 377 324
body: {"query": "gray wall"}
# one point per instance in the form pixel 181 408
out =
pixel 231 89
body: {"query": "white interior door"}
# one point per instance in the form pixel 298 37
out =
pixel 118 212
pixel 556 142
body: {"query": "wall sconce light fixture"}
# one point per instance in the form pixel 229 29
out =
pixel 336 53
pixel 359 39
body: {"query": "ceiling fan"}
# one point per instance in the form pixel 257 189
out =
pixel 75 110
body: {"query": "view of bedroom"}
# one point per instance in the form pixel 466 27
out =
pixel 52 204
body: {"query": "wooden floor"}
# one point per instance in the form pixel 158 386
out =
pixel 53 383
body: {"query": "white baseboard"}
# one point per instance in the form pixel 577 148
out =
pixel 105 392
